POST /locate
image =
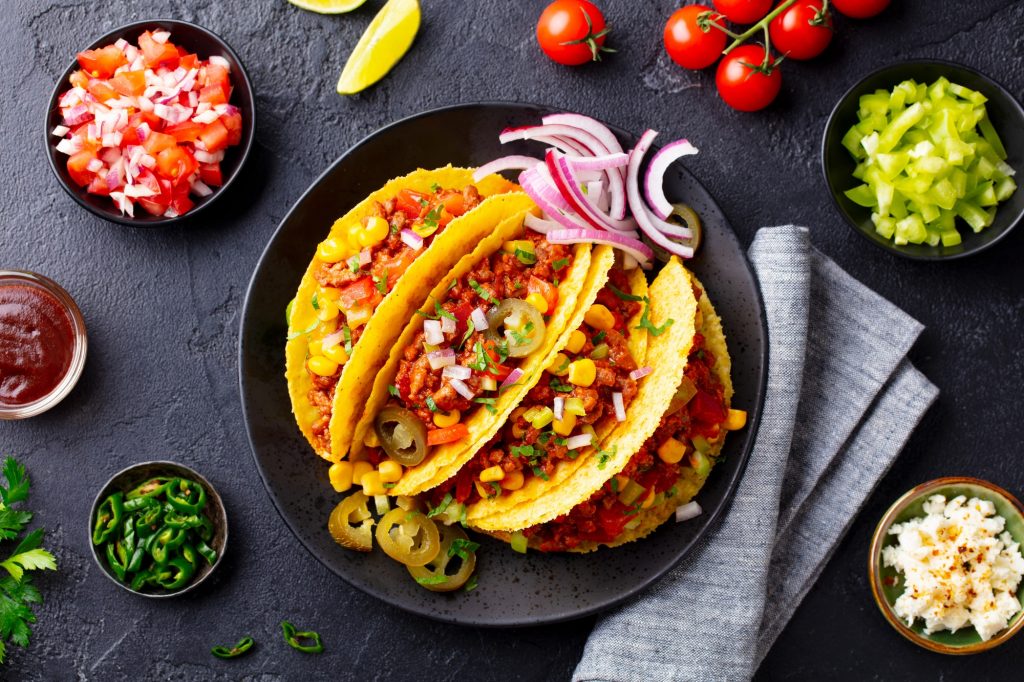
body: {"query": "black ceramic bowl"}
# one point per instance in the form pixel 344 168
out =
pixel 135 475
pixel 194 39
pixel 837 164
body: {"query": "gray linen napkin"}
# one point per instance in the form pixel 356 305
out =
pixel 841 402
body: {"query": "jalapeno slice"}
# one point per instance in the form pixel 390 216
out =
pixel 689 217
pixel 151 488
pixel 186 496
pixel 108 518
pixel 308 642
pixel 402 435
pixel 408 537
pixel 235 651
pixel 176 574
pixel 519 323
pixel 117 559
pixel 352 510
pixel 452 566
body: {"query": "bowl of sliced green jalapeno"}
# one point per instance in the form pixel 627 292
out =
pixel 158 529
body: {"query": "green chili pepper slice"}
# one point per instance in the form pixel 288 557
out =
pixel 117 559
pixel 108 518
pixel 140 579
pixel 298 640
pixel 151 488
pixel 176 520
pixel 243 646
pixel 186 496
pixel 188 552
pixel 171 579
pixel 207 552
pixel 134 504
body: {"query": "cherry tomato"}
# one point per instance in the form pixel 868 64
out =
pixel 802 31
pixel 687 44
pixel 744 11
pixel 742 81
pixel 572 32
pixel 860 9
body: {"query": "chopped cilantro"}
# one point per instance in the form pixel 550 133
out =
pixel 623 295
pixel 645 321
pixel 440 509
pixel 537 471
pixel 382 283
pixel 432 406
pixel 561 441
pixel 433 216
pixel 555 282
pixel 353 263
pixel 633 510
pixel 441 312
pixel 434 187
pixel 525 257
pixel 495 489
pixel 480 364
pixel 389 486
pixel 433 580
pixel 347 333
pixel 470 328
pixel 527 451
pixel 598 337
pixel 543 437
pixel 481 292
pixel 316 302
pixel 572 454
pixel 613 483
pixel 519 285
pixel 470 584
pixel 462 548
pixel 487 403
pixel 426 315
pixel 557 385
pixel 559 264
pixel 672 492
pixel 393 390
pixel 603 456
pixel 303 332
pixel 424 203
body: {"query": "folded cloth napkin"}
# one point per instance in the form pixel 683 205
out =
pixel 841 401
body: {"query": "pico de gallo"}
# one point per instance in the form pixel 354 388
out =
pixel 356 271
pixel 591 382
pixel 148 124
pixel 695 423
pixel 470 346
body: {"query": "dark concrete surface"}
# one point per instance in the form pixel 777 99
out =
pixel 162 309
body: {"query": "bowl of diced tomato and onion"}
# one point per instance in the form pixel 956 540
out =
pixel 150 123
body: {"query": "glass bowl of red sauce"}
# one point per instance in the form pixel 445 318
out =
pixel 42 344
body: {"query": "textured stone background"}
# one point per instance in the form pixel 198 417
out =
pixel 163 312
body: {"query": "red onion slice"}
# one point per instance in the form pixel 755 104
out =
pixel 457 372
pixel 636 204
pixel 640 373
pixel 441 358
pixel 580 441
pixel 569 185
pixel 584 138
pixel 513 376
pixel 540 225
pixel 432 332
pixel 333 339
pixel 534 191
pixel 590 125
pixel 654 179
pixel 515 162
pixel 634 247
pixel 479 319
pixel 690 510
pixel 537 180
pixel 411 239
pixel 606 162
pixel 620 408
pixel 461 388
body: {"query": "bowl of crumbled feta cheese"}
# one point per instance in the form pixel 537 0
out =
pixel 946 565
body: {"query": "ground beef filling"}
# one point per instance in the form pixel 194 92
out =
pixel 389 258
pixel 500 276
pixel 602 518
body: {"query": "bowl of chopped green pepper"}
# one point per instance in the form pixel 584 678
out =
pixel 920 158
pixel 158 529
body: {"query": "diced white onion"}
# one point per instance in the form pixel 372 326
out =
pixel 201 188
pixel 690 510
pixel 580 441
pixel 160 36
pixel 513 376
pixel 448 325
pixel 620 408
pixel 479 319
pixel 457 372
pixel 461 388
pixel 411 239
pixel 217 60
pixel 60 131
pixel 441 358
pixel 559 408
pixel 432 332
pixel 640 373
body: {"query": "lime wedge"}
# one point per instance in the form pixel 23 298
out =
pixel 328 6
pixel 385 41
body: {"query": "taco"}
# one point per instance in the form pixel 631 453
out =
pixel 366 279
pixel 668 469
pixel 475 348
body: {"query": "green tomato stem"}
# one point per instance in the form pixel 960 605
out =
pixel 759 26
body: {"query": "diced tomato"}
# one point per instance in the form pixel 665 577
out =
pixel 211 174
pixel 611 521
pixel 188 61
pixel 447 435
pixel 129 83
pixel 181 202
pixel 77 167
pixel 103 62
pixel 233 122
pixel 156 54
pixel 157 142
pixel 410 203
pixel 176 164
pixel 158 203
pixel 147 117
pixel 218 75
pixel 186 131
pixel 496 370
pixel 98 186
pixel 357 292
pixel 550 293
pixel 463 487
pixel 214 136
pixel 214 94
pixel 101 90
pixel 79 79
pixel 704 408
pixel 454 203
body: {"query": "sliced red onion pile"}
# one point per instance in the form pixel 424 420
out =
pixel 589 188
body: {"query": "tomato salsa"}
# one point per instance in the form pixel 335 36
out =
pixel 684 438
pixel 358 269
pixel 37 343
pixel 148 125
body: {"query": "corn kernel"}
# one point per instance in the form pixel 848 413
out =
pixel 359 469
pixel 358 316
pixel 620 482
pixel 331 293
pixel 372 484
pixel 376 231
pixel 332 250
pixel 326 309
pixel 490 474
pixel 513 480
pixel 649 500
pixel 327 327
pixel 564 426
pixel 599 317
pixel 560 365
pixel 671 451
pixel 315 347
pixel 336 353
pixel 390 471
pixel 321 366
pixel 340 475
pixel 443 421
pixel 736 420
pixel 576 341
pixel 538 301
pixel 582 372
pixel 352 236
pixel 371 440
pixel 483 489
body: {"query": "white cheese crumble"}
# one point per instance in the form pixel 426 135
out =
pixel 959 567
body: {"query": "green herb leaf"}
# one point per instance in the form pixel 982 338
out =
pixel 604 455
pixel 559 264
pixel 434 187
pixel 432 580
pixel 441 312
pixel 480 363
pixel 347 333
pixel 432 406
pixel 645 321
pixel 382 283
pixel 623 295
pixel 470 584
pixel 440 509
pixel 557 385
pixel 470 328
pixel 393 390
pixel 315 302
pixel 481 292
pixel 487 403
pixel 537 471
pixel 353 263
pixel 598 337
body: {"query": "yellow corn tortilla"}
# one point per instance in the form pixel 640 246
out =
pixel 370 352
pixel 577 290
pixel 537 487
pixel 671 298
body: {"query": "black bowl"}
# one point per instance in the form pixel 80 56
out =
pixel 137 474
pixel 194 39
pixel 837 164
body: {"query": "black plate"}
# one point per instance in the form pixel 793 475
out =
pixel 837 165
pixel 513 589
